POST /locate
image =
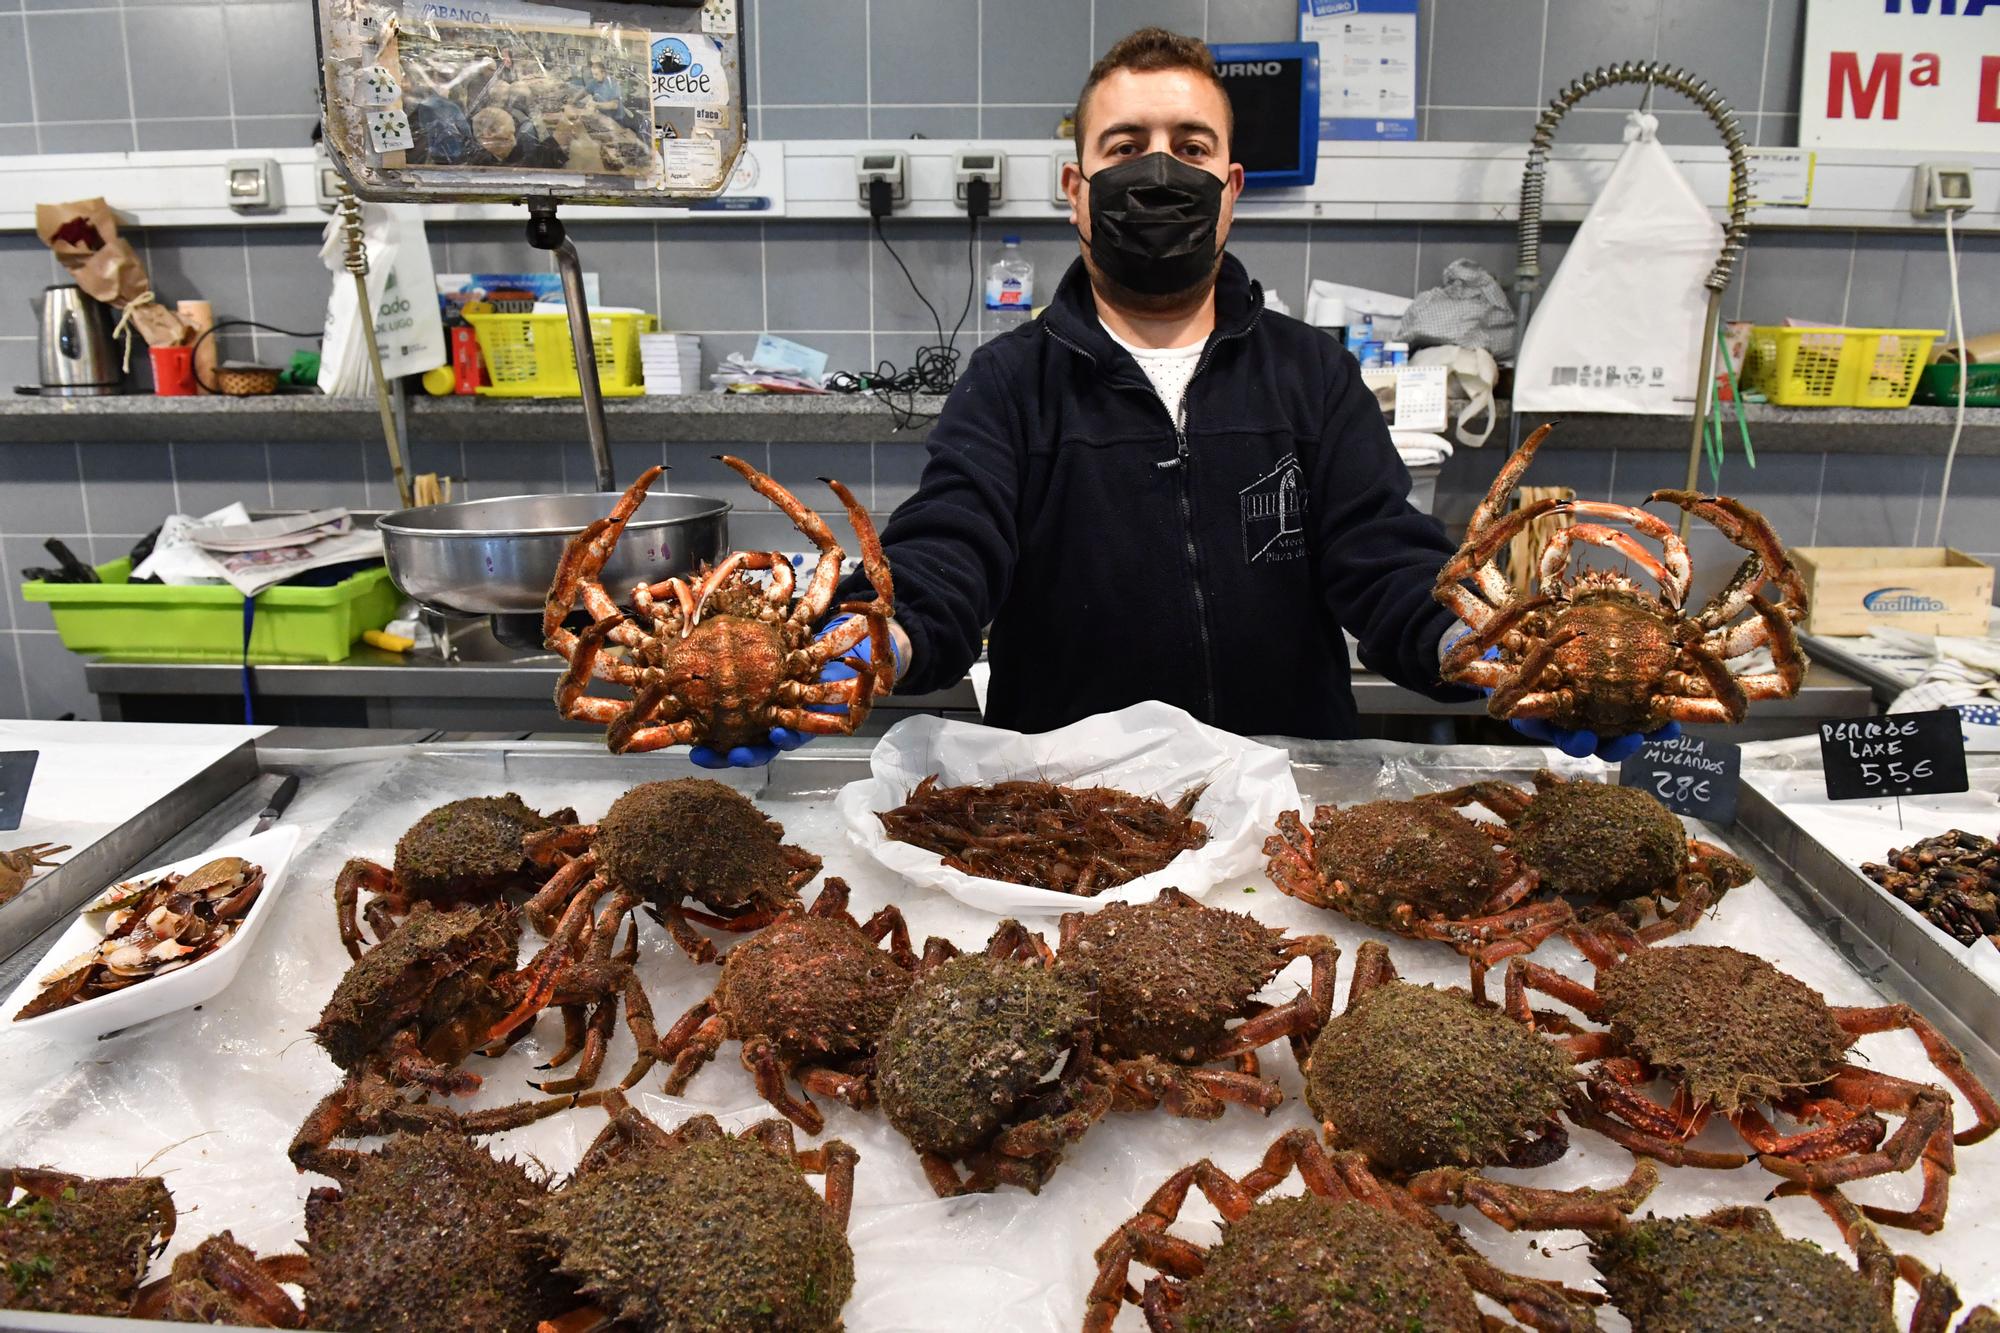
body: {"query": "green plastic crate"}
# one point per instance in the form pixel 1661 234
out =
pixel 154 622
pixel 1940 385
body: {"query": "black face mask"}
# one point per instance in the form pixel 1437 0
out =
pixel 1152 223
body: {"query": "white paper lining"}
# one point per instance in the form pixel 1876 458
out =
pixel 209 1098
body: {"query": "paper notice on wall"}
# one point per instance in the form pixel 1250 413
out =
pixel 1367 66
pixel 1780 177
pixel 694 164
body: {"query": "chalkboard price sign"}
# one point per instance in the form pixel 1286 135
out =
pixel 1900 754
pixel 17 770
pixel 1690 775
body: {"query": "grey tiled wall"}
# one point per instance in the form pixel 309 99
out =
pixel 100 75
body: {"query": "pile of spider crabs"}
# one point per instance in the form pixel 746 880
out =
pixel 1379 1143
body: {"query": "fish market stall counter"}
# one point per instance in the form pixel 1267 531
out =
pixel 208 1098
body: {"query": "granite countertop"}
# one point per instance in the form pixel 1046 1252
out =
pixel 818 418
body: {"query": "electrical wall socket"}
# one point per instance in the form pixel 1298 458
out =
pixel 326 181
pixel 1941 187
pixel 884 164
pixel 253 185
pixel 971 164
pixel 1057 161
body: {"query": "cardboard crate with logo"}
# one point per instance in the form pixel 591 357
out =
pixel 1922 589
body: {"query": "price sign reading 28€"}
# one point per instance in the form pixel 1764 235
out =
pixel 1689 775
pixel 1901 754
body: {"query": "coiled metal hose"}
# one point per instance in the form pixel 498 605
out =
pixel 1653 73
pixel 1534 180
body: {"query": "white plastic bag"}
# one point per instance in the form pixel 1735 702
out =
pixel 1150 749
pixel 1620 327
pixel 402 288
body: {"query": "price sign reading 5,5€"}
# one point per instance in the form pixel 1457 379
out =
pixel 1689 775
pixel 1902 754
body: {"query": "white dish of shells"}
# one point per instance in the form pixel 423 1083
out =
pixel 161 972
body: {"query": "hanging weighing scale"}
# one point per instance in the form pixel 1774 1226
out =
pixel 541 105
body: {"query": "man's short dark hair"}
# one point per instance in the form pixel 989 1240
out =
pixel 1151 49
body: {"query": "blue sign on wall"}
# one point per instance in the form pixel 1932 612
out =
pixel 1367 66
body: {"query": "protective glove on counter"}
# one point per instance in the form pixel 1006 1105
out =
pixel 787 738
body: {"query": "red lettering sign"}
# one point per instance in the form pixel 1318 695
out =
pixel 1885 83
pixel 1989 89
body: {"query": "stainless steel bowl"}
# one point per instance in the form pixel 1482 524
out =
pixel 497 557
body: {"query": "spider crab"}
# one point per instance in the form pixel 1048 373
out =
pixel 722 661
pixel 1353 1251
pixel 76 1245
pixel 664 843
pixel 1600 843
pixel 1418 868
pixel 1598 651
pixel 221 1281
pixel 1735 1269
pixel 808 997
pixel 961 1069
pixel 1171 975
pixel 466 851
pixel 700 1231
pixel 1733 1034
pixel 1416 1077
pixel 444 985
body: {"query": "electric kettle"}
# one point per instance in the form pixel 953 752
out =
pixel 76 354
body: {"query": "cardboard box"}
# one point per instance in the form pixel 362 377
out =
pixel 1922 589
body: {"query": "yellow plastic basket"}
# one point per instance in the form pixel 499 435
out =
pixel 530 356
pixel 1837 367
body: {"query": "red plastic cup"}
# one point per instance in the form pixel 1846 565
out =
pixel 173 372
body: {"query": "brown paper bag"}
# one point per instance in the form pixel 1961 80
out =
pixel 84 236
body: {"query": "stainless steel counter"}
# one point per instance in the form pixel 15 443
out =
pixel 502 693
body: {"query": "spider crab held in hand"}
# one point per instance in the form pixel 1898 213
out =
pixel 1596 651
pixel 1418 868
pixel 1612 848
pixel 1352 1252
pixel 722 661
pixel 1171 975
pixel 1730 1033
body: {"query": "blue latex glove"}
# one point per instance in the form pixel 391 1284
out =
pixel 1583 742
pixel 786 738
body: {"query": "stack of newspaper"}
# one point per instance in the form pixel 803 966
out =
pixel 671 362
pixel 250 556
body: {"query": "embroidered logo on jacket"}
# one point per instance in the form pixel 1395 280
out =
pixel 1274 514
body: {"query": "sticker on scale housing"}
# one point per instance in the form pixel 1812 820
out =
pixel 686 70
pixel 692 163
pixel 718 18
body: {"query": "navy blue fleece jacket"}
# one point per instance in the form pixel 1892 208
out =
pixel 1117 559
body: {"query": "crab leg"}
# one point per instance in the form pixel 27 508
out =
pixel 662 737
pixel 1555 556
pixel 1749 530
pixel 562 886
pixel 691 1043
pixel 760 1057
pixel 1676 567
pixel 359 873
pixel 1512 1207
pixel 1516 699
pixel 1945 1057
pixel 583 558
pixel 889 923
pixel 545 970
pixel 873 562
pixel 1463 658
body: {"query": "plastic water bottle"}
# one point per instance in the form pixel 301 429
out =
pixel 1010 285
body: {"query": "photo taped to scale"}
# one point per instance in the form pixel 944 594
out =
pixel 540 98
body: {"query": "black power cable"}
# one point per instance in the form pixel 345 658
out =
pixel 933 368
